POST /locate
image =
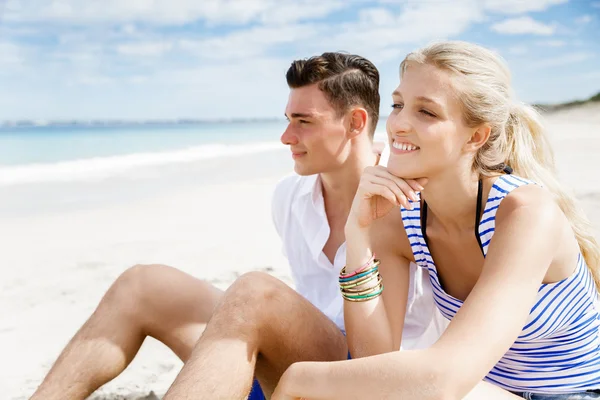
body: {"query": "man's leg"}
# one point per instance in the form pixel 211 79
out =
pixel 146 300
pixel 261 323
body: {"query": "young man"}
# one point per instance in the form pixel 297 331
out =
pixel 262 326
pixel 333 110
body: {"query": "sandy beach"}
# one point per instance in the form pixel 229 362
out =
pixel 64 243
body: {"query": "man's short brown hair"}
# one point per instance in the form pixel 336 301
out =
pixel 346 79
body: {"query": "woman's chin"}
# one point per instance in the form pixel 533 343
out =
pixel 402 171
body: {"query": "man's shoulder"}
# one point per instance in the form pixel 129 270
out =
pixel 291 187
pixel 287 191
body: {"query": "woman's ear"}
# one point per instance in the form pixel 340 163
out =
pixel 478 138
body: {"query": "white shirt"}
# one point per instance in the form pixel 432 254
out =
pixel 299 216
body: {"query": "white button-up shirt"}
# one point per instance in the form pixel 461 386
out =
pixel 299 216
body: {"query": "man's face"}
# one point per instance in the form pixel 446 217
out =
pixel 317 136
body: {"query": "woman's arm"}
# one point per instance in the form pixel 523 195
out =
pixel 375 326
pixel 308 380
pixel 524 246
pixel 482 331
pixel 375 226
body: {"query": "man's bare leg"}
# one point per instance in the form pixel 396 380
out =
pixel 146 300
pixel 260 322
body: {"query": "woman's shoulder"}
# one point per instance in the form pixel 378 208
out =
pixel 530 200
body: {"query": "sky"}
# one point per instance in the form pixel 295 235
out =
pixel 214 59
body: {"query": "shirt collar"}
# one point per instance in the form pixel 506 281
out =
pixel 312 189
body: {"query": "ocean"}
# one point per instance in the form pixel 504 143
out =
pixel 45 154
pixel 51 153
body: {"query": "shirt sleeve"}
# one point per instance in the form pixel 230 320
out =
pixel 385 156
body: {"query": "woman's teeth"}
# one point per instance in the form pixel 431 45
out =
pixel 404 146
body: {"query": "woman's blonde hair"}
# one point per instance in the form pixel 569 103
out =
pixel 517 138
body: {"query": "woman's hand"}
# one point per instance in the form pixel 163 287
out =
pixel 378 193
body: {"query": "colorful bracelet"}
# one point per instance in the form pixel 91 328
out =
pixel 363 284
pixel 358 271
pixel 363 290
pixel 374 268
pixel 360 282
pixel 362 298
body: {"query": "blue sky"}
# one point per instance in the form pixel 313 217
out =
pixel 154 59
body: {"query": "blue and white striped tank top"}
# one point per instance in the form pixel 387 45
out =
pixel 558 350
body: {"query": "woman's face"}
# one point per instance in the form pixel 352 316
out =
pixel 426 130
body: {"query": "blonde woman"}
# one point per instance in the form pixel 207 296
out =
pixel 512 261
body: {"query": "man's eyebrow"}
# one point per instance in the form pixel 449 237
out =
pixel 301 115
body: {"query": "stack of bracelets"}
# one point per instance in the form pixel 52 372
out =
pixel 363 284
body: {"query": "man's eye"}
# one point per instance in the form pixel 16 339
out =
pixel 303 121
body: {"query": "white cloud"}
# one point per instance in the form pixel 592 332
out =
pixel 584 19
pixel 128 29
pixel 591 75
pixel 523 25
pixel 552 43
pixel 251 42
pixel 11 55
pixel 168 12
pixel 285 12
pixel 94 80
pixel 145 49
pixel 507 7
pixel 565 59
pixel 138 79
pixel 416 23
pixel 379 16
pixel 518 50
pixel 519 6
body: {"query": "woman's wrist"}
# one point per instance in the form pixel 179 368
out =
pixel 358 247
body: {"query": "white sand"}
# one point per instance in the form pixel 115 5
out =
pixel 62 247
pixel 57 264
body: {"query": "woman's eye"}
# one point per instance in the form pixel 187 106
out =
pixel 397 106
pixel 428 113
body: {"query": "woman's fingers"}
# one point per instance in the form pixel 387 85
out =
pixel 408 187
pixel 400 198
pixel 372 188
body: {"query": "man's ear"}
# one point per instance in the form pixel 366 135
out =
pixel 478 138
pixel 358 121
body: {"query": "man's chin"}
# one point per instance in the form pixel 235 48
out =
pixel 303 171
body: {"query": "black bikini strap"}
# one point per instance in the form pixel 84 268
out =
pixel 478 215
pixel 477 218
pixel 424 223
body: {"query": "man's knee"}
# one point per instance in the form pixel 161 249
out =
pixel 133 289
pixel 253 297
pixel 258 288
